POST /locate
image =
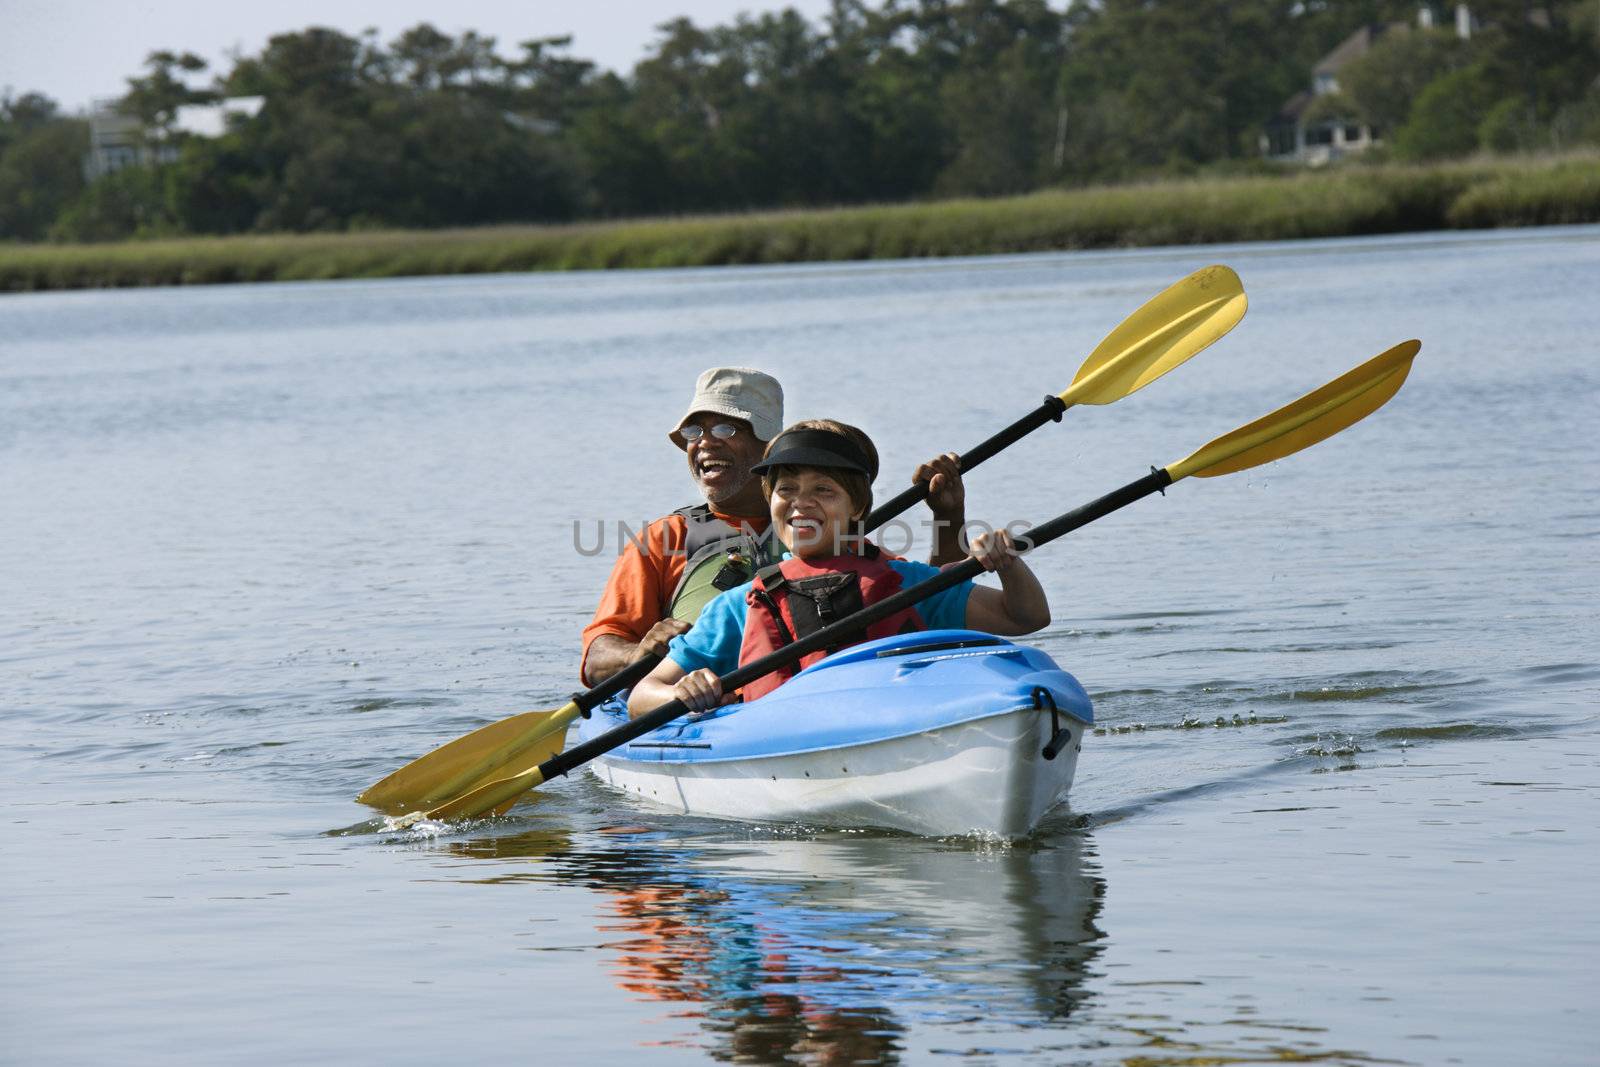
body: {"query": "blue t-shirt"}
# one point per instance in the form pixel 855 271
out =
pixel 719 632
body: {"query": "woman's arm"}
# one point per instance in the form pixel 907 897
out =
pixel 1019 606
pixel 701 690
pixel 712 645
pixel 654 689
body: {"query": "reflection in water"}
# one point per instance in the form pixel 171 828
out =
pixel 825 950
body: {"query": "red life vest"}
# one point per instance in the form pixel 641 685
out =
pixel 795 598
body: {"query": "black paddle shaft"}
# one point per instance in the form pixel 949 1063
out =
pixel 626 678
pixel 1050 411
pixel 1156 481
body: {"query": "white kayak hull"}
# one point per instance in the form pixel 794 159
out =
pixel 985 777
pixel 985 774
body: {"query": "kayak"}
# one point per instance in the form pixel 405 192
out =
pixel 939 733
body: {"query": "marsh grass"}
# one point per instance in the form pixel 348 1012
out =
pixel 1347 201
pixel 1568 192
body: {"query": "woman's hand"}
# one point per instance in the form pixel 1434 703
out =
pixel 699 690
pixel 1019 606
pixel 996 551
pixel 947 499
pixel 946 494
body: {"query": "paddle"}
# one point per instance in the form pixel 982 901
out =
pixel 1173 326
pixel 1170 328
pixel 1314 417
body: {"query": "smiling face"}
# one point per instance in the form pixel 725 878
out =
pixel 721 466
pixel 812 512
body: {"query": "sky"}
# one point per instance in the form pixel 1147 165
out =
pixel 74 51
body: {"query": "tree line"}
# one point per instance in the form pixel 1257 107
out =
pixel 905 100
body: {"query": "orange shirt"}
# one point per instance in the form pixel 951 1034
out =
pixel 646 573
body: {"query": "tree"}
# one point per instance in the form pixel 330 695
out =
pixel 429 61
pixel 21 115
pixel 130 202
pixel 1445 119
pixel 1000 95
pixel 1386 82
pixel 156 97
pixel 41 168
pixel 884 100
pixel 627 171
pixel 1175 82
pixel 553 87
pixel 318 66
pixel 1578 123
pixel 218 184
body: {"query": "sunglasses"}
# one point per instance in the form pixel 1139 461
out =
pixel 721 431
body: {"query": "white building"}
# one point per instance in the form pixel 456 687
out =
pixel 1290 138
pixel 118 140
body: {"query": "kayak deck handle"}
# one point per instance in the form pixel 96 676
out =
pixel 1060 735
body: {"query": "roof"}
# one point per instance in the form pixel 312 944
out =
pixel 1352 47
pixel 1292 109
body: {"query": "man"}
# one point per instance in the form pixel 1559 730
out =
pixel 662 579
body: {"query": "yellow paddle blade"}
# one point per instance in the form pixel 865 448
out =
pixel 1173 326
pixel 1314 417
pixel 469 761
pixel 493 798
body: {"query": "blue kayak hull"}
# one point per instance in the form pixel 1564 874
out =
pixel 946 732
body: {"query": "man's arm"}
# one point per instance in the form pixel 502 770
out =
pixel 610 653
pixel 607 655
pixel 628 624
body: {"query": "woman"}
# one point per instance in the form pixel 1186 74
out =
pixel 817 476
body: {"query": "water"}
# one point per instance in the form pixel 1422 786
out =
pixel 264 544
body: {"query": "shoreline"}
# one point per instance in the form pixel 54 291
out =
pixel 1347 202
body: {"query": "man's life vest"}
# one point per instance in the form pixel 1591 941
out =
pixel 796 598
pixel 720 555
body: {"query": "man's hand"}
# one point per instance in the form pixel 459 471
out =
pixel 654 642
pixel 610 653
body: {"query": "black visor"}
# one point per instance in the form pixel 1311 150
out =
pixel 816 448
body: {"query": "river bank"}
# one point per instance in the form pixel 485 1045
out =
pixel 1481 194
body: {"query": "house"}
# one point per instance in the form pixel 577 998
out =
pixel 1300 133
pixel 118 140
